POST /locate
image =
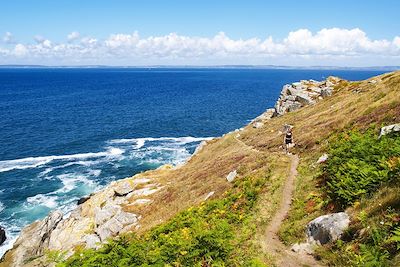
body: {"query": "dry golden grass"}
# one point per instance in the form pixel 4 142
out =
pixel 353 104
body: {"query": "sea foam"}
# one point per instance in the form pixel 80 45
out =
pixel 33 162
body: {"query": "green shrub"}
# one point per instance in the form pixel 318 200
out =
pixel 360 163
pixel 199 236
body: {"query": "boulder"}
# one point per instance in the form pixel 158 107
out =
pixel 111 228
pixel 327 228
pixel 326 91
pixel 303 248
pixel 389 129
pixel 292 106
pixel 92 241
pixel 209 195
pixel 323 158
pixel 231 176
pixel 304 99
pixel 258 125
pixel 126 218
pixel 106 213
pixel 2 235
pixel 123 188
pixel 84 199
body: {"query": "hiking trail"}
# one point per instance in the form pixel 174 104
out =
pixel 271 244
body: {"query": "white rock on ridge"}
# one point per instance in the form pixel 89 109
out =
pixel 92 241
pixel 104 214
pixel 389 129
pixel 303 248
pixel 327 228
pixel 209 195
pixel 231 176
pixel 115 225
pixel 124 188
pixel 323 158
pixel 258 125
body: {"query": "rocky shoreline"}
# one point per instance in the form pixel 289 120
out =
pixel 108 213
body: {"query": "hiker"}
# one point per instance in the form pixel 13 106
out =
pixel 288 140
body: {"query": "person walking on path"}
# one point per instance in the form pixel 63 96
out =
pixel 288 140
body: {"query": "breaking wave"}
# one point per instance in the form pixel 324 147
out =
pixel 58 181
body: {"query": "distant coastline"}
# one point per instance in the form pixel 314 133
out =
pixel 378 68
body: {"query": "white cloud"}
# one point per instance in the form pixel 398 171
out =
pixel 8 38
pixel 73 36
pixel 20 50
pixel 327 45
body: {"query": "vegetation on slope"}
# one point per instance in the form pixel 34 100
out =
pixel 359 164
pixel 333 125
pixel 213 233
pixel 361 175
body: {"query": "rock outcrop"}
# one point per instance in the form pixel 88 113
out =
pixel 97 218
pixel 297 95
pixel 306 92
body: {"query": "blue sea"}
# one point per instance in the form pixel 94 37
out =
pixel 67 132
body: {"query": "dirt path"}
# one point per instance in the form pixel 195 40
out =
pixel 271 244
pixel 246 146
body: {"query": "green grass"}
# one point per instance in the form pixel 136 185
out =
pixel 216 233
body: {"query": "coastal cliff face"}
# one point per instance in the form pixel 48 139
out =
pixel 138 203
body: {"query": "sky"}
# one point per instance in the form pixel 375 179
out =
pixel 200 32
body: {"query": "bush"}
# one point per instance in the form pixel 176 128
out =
pixel 360 163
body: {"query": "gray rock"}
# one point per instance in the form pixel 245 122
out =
pixel 326 91
pixel 292 106
pixel 84 199
pixel 47 226
pixel 315 89
pixel 2 235
pixel 303 248
pixel 92 241
pixel 293 91
pixel 389 129
pixel 209 195
pixel 123 188
pixel 304 99
pixel 258 125
pixel 327 228
pixel 126 218
pixel 109 229
pixel 34 238
pixel 323 158
pixel 231 176
pixel 106 213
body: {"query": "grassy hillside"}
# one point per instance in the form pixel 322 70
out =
pixel 180 228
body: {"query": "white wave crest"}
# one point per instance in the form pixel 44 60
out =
pixel 140 142
pixel 33 162
pixel 70 181
pixel 42 199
